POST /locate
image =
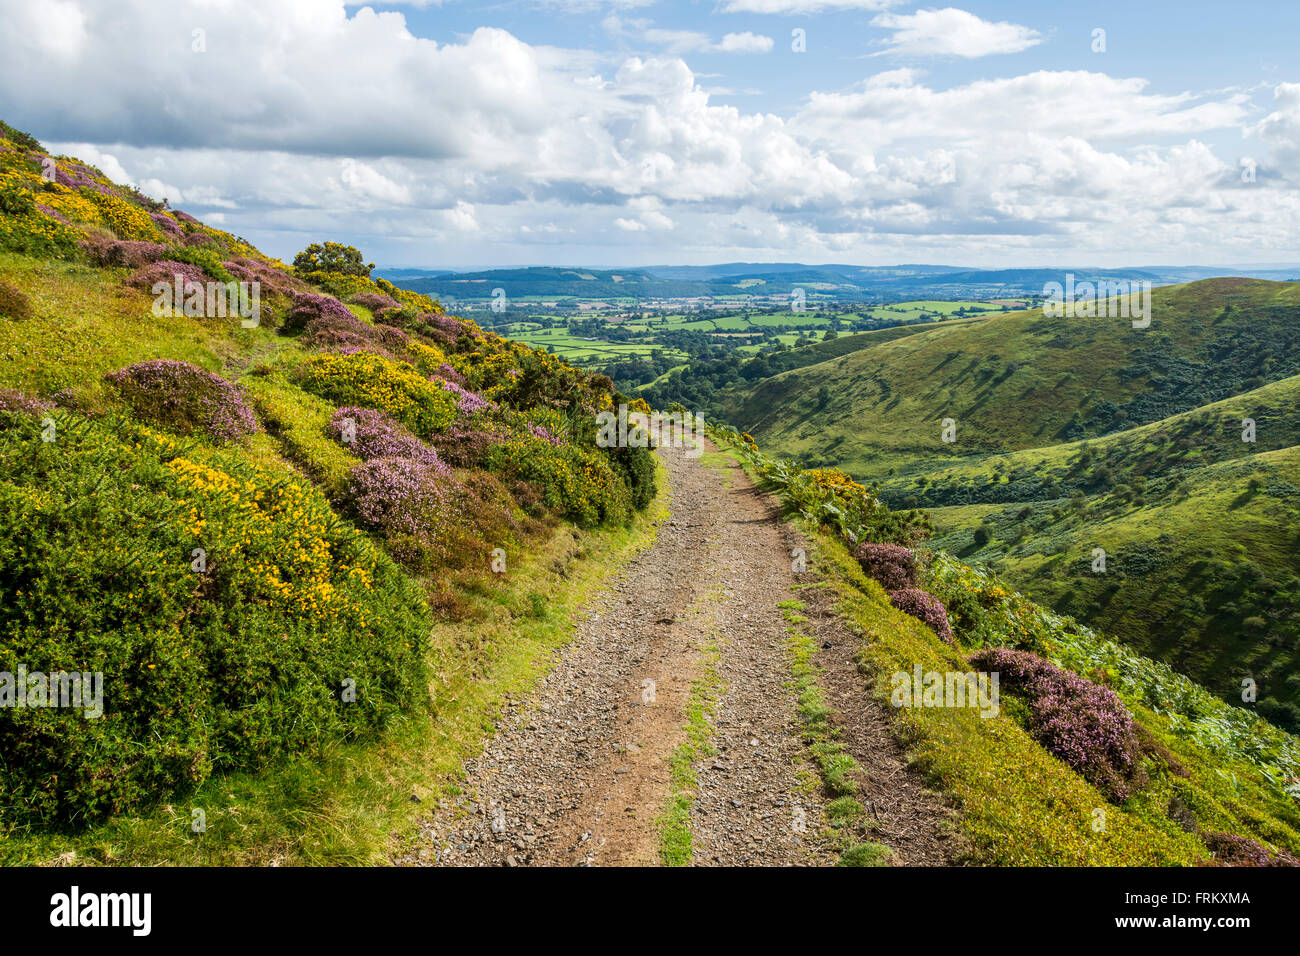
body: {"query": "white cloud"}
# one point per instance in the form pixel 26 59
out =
pixel 344 126
pixel 691 41
pixel 746 43
pixel 953 32
pixel 368 182
pixel 1281 130
pixel 803 6
pixel 106 163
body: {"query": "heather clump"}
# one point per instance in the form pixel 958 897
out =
pixel 467 447
pixel 13 303
pixel 104 251
pixel 185 398
pixel 400 496
pixel 192 278
pixel 893 565
pixel 449 374
pixel 18 403
pixel 924 607
pixel 374 301
pixel 310 310
pixel 167 225
pixel 1084 724
pixel 467 402
pixel 371 434
pixel 1229 849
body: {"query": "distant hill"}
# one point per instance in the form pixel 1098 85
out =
pixel 1021 380
pixel 845 283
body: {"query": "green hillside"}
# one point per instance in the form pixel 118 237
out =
pixel 1022 380
pixel 1195 765
pixel 1200 572
pixel 299 526
pixel 1198 524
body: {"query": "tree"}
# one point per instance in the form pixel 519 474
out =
pixel 332 257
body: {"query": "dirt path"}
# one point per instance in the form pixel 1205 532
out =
pixel 686 644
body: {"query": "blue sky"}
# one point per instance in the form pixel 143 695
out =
pixel 459 134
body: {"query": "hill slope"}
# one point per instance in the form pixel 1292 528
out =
pixel 1022 380
pixel 1202 570
pixel 242 515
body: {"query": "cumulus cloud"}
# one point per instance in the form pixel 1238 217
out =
pixel 691 41
pixel 953 32
pixel 803 6
pixel 334 122
pixel 1281 130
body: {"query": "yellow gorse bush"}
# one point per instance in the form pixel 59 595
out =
pixel 373 381
pixel 286 519
pixel 126 219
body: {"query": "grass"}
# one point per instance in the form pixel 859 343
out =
pixel 353 805
pixel 1203 578
pixel 676 846
pixel 846 817
pixel 85 323
pixel 1019 804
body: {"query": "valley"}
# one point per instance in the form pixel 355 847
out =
pixel 1034 441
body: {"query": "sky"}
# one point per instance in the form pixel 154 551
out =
pixel 633 132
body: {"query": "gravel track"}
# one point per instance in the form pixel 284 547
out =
pixel 578 773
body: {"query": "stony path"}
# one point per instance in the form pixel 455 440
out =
pixel 579 772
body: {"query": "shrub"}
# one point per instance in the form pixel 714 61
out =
pixel 374 301
pixel 167 271
pixel 273 281
pixel 400 495
pixel 125 218
pixel 636 466
pixel 576 482
pixel 467 447
pixel 13 304
pixel 449 374
pixel 429 519
pixel 376 382
pixel 467 402
pixel 1232 850
pixel 985 612
pixel 925 607
pixel 891 564
pixel 375 435
pixel 1082 723
pixel 185 398
pixel 23 229
pixel 169 226
pixel 103 251
pixel 17 403
pixel 309 309
pixel 204 258
pixel 219 670
pixel 332 257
